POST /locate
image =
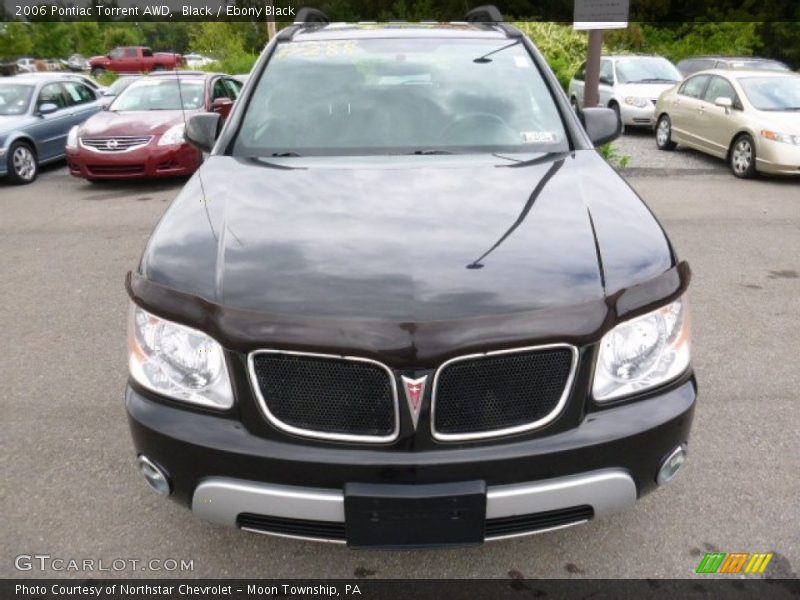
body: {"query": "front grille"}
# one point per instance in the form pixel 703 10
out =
pixel 326 397
pixel 501 393
pixel 323 530
pixel 505 526
pixel 495 528
pixel 116 143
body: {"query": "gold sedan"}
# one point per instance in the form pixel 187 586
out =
pixel 749 118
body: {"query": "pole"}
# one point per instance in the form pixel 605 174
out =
pixel 270 24
pixel 591 92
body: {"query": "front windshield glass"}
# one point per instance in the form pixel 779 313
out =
pixel 116 88
pixel 14 98
pixel 773 93
pixel 647 70
pixel 400 96
pixel 160 94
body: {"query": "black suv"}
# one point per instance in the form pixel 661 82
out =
pixel 405 302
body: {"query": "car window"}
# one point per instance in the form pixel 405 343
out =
pixel 719 87
pixel 581 74
pixel 116 53
pixel 14 98
pixel 52 93
pixel 219 91
pixel 694 86
pixel 234 87
pixel 78 93
pixel 607 72
pixel 147 52
pixel 394 96
pixel 780 93
pixel 131 52
pixel 647 69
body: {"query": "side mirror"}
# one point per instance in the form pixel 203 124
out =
pixel 202 131
pixel 602 124
pixel 222 106
pixel 47 108
pixel 606 81
pixel 725 103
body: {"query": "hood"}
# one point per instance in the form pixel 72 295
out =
pixel 9 123
pixel 146 122
pixel 644 90
pixel 785 122
pixel 415 239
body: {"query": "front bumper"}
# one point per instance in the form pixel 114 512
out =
pixel 223 471
pixel 636 116
pixel 777 158
pixel 149 161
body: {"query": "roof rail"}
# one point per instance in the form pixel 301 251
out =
pixel 311 16
pixel 488 13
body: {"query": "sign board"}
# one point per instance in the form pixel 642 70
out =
pixel 601 14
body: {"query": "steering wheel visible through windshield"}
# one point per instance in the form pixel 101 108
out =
pixel 400 96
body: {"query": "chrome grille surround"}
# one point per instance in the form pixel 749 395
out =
pixel 115 143
pixel 324 435
pixel 481 435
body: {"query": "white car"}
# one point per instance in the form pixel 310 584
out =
pixel 197 61
pixel 630 84
pixel 26 65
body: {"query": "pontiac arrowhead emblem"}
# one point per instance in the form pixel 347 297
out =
pixel 415 391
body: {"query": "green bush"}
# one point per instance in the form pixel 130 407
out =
pixel 562 46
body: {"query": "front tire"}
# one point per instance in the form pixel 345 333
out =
pixel 742 157
pixel 664 134
pixel 615 107
pixel 98 72
pixel 23 167
pixel 158 68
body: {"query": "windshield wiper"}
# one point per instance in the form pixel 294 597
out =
pixel 284 154
pixel 429 152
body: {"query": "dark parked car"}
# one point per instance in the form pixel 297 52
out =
pixel 693 64
pixel 405 302
pixel 140 134
pixel 36 114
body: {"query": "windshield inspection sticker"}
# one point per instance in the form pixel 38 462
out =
pixel 538 137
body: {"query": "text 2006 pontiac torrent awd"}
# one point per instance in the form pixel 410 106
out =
pixel 404 302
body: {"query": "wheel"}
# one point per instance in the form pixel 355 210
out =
pixel 573 102
pixel 742 158
pixel 158 68
pixel 664 134
pixel 22 164
pixel 98 72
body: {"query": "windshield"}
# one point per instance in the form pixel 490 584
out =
pixel 14 98
pixel 399 96
pixel 116 88
pixel 772 93
pixel 160 94
pixel 647 70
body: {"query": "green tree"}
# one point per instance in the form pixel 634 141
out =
pixel 15 39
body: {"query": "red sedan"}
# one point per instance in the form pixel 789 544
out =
pixel 140 135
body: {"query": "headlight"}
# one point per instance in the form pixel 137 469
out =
pixel 172 136
pixel 643 352
pixel 177 361
pixel 637 102
pixel 72 137
pixel 777 136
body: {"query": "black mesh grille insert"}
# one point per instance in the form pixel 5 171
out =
pixel 494 392
pixel 536 521
pixel 328 395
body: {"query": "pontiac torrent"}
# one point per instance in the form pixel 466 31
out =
pixel 404 302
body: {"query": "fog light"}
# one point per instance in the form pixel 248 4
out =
pixel 671 465
pixel 155 476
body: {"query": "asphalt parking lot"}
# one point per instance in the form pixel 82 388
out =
pixel 70 488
